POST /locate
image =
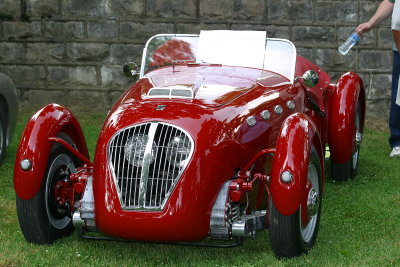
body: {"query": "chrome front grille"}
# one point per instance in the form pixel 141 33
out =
pixel 146 161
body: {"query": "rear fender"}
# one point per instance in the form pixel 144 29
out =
pixel 343 106
pixel 298 134
pixel 35 146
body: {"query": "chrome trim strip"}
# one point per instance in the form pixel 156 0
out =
pixel 146 165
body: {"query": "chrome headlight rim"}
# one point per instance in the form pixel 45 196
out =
pixel 137 160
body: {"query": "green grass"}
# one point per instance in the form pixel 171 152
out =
pixel 360 224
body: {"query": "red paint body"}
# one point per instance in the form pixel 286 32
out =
pixel 224 142
pixel 35 146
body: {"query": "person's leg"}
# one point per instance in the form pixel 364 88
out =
pixel 394 118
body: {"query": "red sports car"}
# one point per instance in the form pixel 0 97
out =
pixel 223 135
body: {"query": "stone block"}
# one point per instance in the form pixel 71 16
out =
pixel 90 100
pixel 375 60
pixel 195 28
pixel 22 30
pixel 252 10
pixel 385 38
pixel 121 53
pixel 312 35
pixel 141 32
pixel 290 10
pixel 42 8
pixel 336 11
pixel 171 9
pixel 81 52
pixel 26 76
pixel 367 10
pixel 10 8
pixel 102 30
pixel 60 76
pixel 216 10
pixel 307 53
pixel 84 8
pixel 45 52
pixel 381 86
pixel 112 76
pixel 378 108
pixel 36 99
pixel 63 31
pixel 11 52
pixel 366 78
pixel 131 9
pixel 331 59
pixel 273 31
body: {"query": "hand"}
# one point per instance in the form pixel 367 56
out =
pixel 364 27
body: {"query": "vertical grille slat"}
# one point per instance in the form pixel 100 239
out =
pixel 146 161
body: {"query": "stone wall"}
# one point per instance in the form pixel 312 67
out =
pixel 71 51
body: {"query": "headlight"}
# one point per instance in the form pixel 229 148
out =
pixel 135 148
pixel 178 150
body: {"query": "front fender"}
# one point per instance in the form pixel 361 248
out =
pixel 349 90
pixel 298 134
pixel 35 146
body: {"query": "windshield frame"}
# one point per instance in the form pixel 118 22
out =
pixel 290 77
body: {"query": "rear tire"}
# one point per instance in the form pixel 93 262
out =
pixel 348 170
pixel 289 237
pixel 41 218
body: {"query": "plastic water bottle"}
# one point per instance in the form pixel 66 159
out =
pixel 353 39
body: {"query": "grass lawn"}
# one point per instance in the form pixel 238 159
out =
pixel 360 223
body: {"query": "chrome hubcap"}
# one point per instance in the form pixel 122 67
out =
pixel 312 202
pixel 307 231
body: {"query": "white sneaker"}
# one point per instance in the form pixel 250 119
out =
pixel 395 152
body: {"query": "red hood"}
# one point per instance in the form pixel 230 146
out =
pixel 212 86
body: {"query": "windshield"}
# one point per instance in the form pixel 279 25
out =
pixel 229 48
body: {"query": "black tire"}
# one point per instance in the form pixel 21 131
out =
pixel 289 237
pixel 3 135
pixel 41 219
pixel 348 170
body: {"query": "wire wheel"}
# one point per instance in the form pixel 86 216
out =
pixel 296 234
pixel 42 219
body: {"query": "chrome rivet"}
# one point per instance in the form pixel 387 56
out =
pixel 291 104
pixel 265 114
pixel 25 164
pixel 251 121
pixel 278 109
pixel 286 177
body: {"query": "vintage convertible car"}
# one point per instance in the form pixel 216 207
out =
pixel 8 112
pixel 223 135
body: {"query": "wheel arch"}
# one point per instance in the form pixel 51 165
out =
pixel 48 122
pixel 298 134
pixel 348 92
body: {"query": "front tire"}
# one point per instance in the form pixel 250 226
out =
pixel 296 234
pixel 41 218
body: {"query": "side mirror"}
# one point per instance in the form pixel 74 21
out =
pixel 310 78
pixel 130 69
